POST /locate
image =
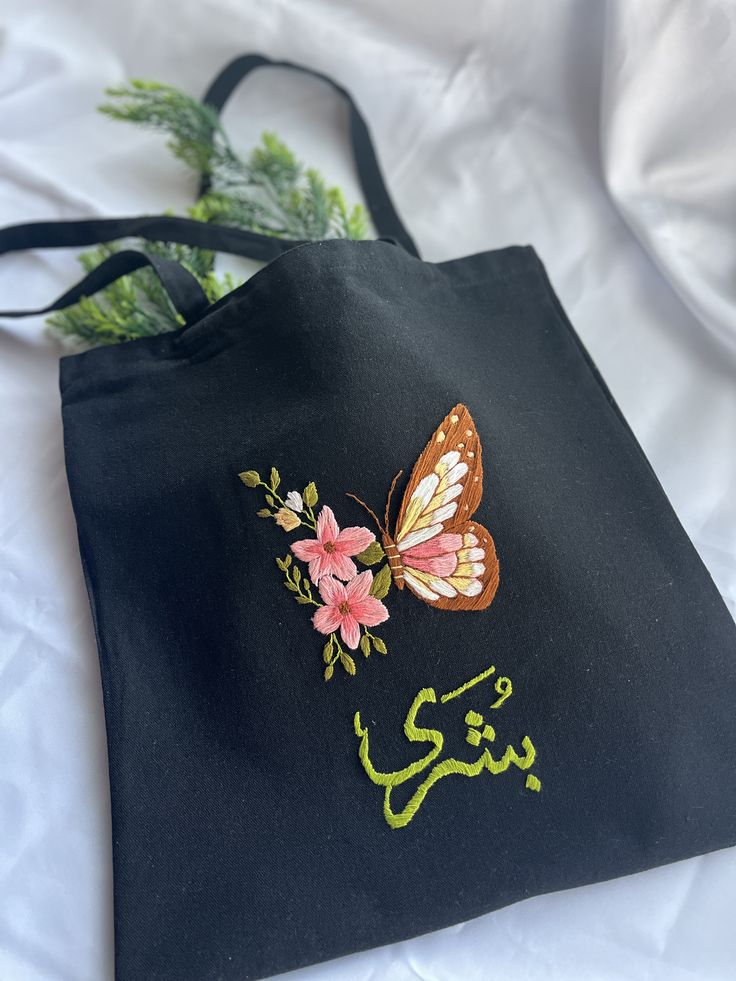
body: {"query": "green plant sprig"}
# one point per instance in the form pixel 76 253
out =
pixel 367 640
pixel 333 652
pixel 251 478
pixel 269 191
pixel 296 582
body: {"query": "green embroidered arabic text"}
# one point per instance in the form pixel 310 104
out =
pixel 449 766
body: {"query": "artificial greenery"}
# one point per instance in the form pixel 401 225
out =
pixel 270 192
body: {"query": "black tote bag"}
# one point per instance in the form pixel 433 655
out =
pixel 332 726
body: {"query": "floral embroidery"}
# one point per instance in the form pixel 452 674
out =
pixel 348 607
pixel 437 548
pixel 286 519
pixel 328 554
pixel 349 601
pixel 449 766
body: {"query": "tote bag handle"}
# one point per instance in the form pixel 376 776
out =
pixel 385 218
pixel 187 231
pixel 185 293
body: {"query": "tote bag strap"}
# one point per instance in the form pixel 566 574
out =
pixel 187 231
pixel 386 219
pixel 183 290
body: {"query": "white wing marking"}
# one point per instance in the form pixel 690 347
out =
pixel 417 537
pixel 419 587
pixel 431 501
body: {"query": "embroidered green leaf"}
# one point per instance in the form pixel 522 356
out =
pixel 329 671
pixel 373 554
pixel 275 479
pixel 347 662
pixel 281 563
pixel 302 600
pixel 327 651
pixel 310 495
pixel 379 645
pixel 264 513
pixel 365 645
pixel 287 561
pixel 381 582
pixel 251 478
pixel 296 574
pixel 291 587
pixel 270 500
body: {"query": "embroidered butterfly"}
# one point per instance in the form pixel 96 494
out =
pixel 444 556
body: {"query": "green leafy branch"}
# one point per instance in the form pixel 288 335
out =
pixel 270 191
pixel 333 652
pixel 287 515
pixel 296 582
pixel 367 640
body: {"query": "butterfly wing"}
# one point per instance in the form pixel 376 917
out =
pixel 449 561
pixel 473 581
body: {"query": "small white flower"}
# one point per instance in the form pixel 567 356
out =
pixel 294 501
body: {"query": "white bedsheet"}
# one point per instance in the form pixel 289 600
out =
pixel 603 135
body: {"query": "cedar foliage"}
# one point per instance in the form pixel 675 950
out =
pixel 270 191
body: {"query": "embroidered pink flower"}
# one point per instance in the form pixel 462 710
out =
pixel 347 606
pixel 329 554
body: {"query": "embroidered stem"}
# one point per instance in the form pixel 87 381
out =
pixel 351 600
pixel 290 512
pixel 369 639
pixel 295 582
pixel 332 653
pixel 305 518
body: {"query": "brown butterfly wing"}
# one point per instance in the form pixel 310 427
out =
pixel 456 433
pixel 449 560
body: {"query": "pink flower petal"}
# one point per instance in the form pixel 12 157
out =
pixel 357 589
pixel 440 565
pixel 327 527
pixel 369 611
pixel 327 619
pixel 340 566
pixel 307 549
pixel 332 591
pixel 350 631
pixel 351 541
pixel 317 568
pixel 438 545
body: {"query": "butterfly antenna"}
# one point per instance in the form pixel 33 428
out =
pixel 390 495
pixel 370 512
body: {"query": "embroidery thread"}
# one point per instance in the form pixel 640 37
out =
pixel 445 768
pixel 436 549
pixel 447 559
pixel 348 600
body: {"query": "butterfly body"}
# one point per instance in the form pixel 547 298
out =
pixel 447 559
pixel 394 560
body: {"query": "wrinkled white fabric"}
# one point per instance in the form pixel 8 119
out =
pixel 605 136
pixel 669 145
